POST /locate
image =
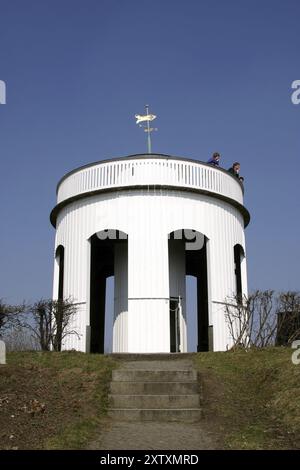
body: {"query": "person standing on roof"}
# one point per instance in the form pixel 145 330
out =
pixel 235 171
pixel 215 159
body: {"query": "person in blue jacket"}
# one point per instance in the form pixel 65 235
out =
pixel 215 159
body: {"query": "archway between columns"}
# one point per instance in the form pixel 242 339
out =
pixel 108 257
pixel 188 257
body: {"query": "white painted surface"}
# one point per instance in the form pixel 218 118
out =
pixel 148 216
pixel 156 170
pixel 2 352
pixel 120 329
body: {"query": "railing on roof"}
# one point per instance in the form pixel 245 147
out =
pixel 148 171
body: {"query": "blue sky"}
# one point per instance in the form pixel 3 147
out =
pixel 217 73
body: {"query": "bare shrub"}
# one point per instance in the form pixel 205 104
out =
pixel 9 316
pixel 49 322
pixel 258 319
pixel 288 313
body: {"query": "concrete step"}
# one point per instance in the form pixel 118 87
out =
pixel 183 364
pixel 153 388
pixel 131 375
pixel 154 401
pixel 190 415
pixel 126 357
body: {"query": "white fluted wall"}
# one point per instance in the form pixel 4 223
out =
pixel 148 197
pixel 148 217
pixel 120 328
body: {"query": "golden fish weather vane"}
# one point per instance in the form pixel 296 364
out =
pixel 146 118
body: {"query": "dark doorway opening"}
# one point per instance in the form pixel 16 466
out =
pixel 174 325
pixel 60 257
pixel 102 267
pixel 238 256
pixel 195 266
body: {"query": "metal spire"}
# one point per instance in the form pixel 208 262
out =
pixel 146 118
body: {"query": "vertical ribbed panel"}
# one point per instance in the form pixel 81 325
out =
pixel 148 326
pixel 55 278
pixel 78 325
pixel 120 328
pixel 244 276
pixel 148 216
pixel 76 272
pixel 150 171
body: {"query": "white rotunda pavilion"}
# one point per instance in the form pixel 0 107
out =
pixel 149 220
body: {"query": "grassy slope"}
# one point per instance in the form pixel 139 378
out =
pixel 252 398
pixel 72 386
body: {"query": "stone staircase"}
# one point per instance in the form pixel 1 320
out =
pixel 155 390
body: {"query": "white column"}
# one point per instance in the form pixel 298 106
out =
pixel 148 290
pixel 120 328
pixel 244 275
pixel 177 271
pixel 55 278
